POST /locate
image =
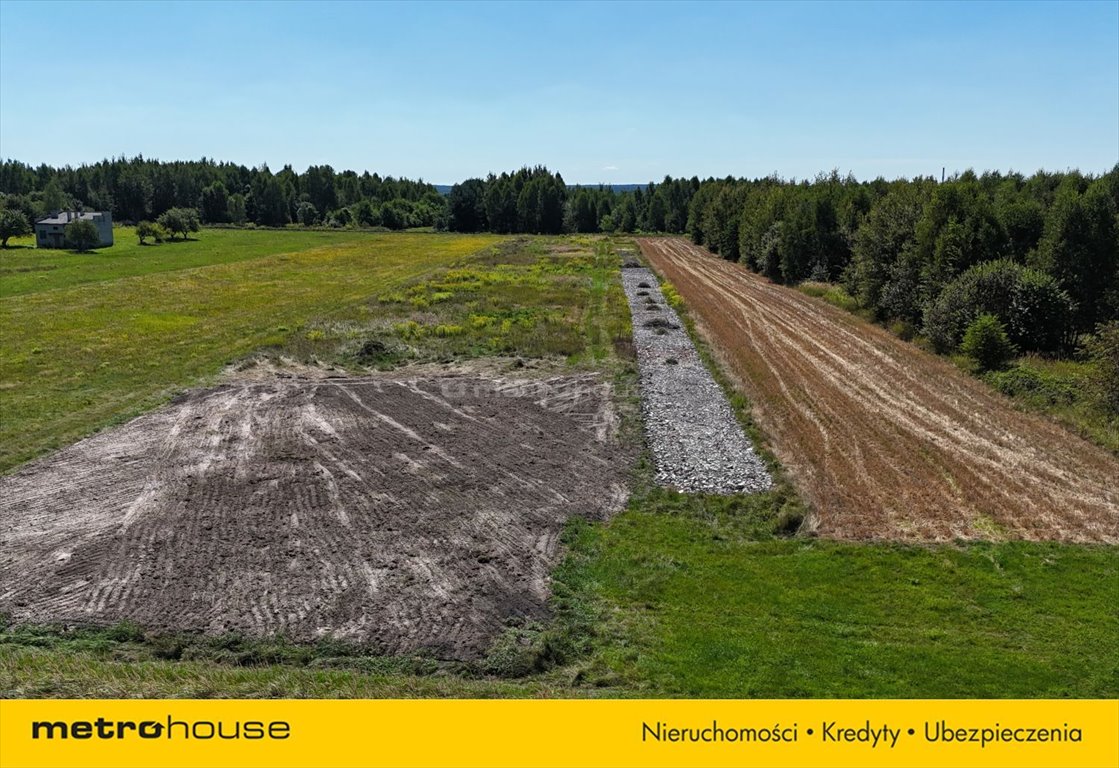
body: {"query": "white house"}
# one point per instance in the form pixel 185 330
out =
pixel 51 231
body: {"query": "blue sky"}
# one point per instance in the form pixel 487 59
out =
pixel 613 92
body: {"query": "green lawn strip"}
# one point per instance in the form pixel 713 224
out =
pixel 31 270
pixel 709 609
pixel 606 318
pixel 28 672
pixel 79 358
pixel 121 660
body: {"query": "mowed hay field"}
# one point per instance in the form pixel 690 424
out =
pixel 88 340
pixel 884 440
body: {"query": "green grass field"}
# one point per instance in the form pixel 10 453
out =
pixel 676 596
pixel 702 606
pixel 91 343
pixel 529 297
pixel 25 269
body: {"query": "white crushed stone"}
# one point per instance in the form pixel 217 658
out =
pixel 697 443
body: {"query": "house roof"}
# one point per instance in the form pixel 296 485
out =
pixel 65 217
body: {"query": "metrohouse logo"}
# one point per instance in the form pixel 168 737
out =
pixel 104 729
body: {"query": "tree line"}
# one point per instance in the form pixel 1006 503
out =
pixel 137 189
pixel 1039 253
pixel 534 200
pixel 531 200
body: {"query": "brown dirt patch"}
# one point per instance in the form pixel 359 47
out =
pixel 406 513
pixel 887 441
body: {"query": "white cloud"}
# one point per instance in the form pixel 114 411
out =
pixel 609 167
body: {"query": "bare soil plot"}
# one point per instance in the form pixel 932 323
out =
pixel 887 441
pixel 408 513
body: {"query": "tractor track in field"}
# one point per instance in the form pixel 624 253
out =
pixel 408 514
pixel 887 441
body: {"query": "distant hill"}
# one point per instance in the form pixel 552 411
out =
pixel 445 189
pixel 615 187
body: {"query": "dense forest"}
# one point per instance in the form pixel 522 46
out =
pixel 537 201
pixel 1039 253
pixel 532 200
pixel 224 193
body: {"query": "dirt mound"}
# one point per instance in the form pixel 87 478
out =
pixel 887 441
pixel 410 514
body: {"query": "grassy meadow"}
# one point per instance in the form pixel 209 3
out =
pixel 543 298
pixel 676 596
pixel 26 269
pixel 88 343
pixel 704 605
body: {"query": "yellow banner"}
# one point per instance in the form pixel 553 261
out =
pixel 603 734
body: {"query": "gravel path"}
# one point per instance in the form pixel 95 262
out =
pixel 698 445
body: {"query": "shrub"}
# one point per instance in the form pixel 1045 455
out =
pixel 12 224
pixel 671 296
pixel 82 235
pixel 986 342
pixel 1035 312
pixel 146 229
pixel 373 351
pixel 1103 350
pixel 903 330
pixel 306 214
pixel 180 221
pixel 789 520
pixel 1034 386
